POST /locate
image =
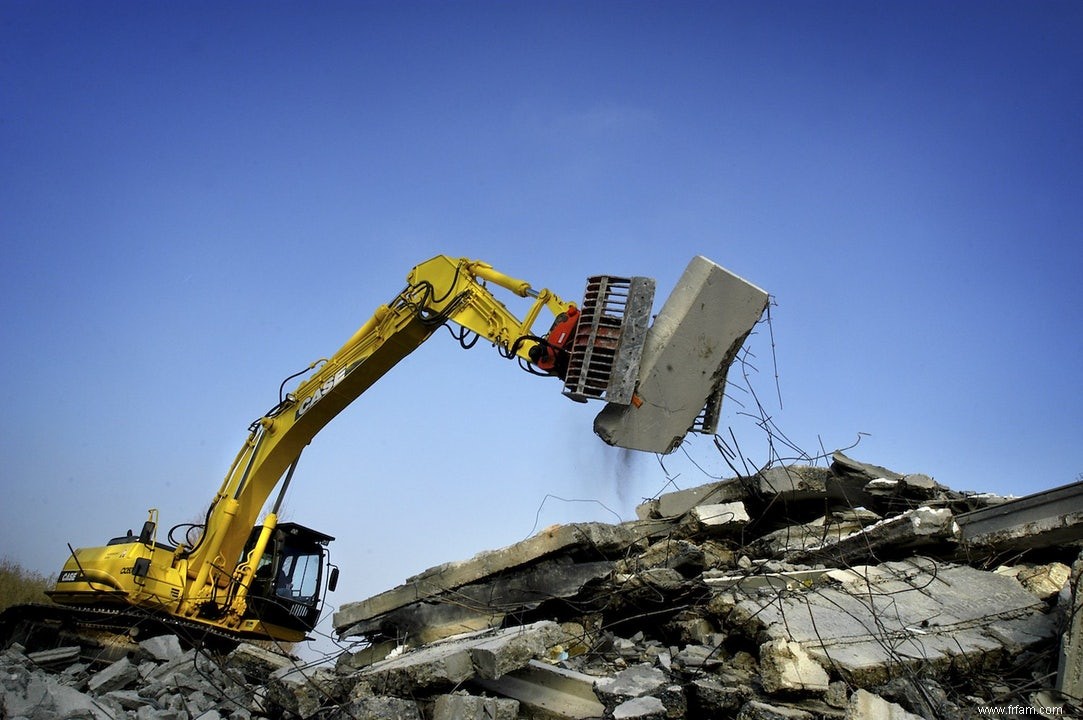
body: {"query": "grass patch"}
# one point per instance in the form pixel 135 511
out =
pixel 19 585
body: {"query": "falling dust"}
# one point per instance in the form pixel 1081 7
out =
pixel 620 469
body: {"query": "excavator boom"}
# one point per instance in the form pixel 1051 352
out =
pixel 237 578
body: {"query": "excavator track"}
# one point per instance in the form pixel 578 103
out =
pixel 102 635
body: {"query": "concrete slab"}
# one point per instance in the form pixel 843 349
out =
pixel 1070 661
pixel 686 355
pixel 677 503
pixel 887 618
pixel 865 705
pixel 828 529
pixel 599 538
pixel 718 517
pixel 448 663
pixel 549 691
pixel 1046 519
pixel 913 529
pixel 485 604
pixel 116 676
pixel 785 667
pixel 463 706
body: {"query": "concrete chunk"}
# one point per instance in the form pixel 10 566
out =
pixel 487 656
pixel 483 605
pixel 640 708
pixel 548 691
pixel 865 705
pixel 513 648
pixel 162 648
pixel 1045 519
pixel 255 662
pixel 679 502
pixel 115 677
pixel 883 619
pixel 786 667
pixel 686 355
pixel 1070 661
pixel 720 516
pixel 598 537
pixel 55 656
pixel 912 529
pixel 462 706
pixel 634 682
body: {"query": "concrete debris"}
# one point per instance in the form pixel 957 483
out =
pixel 700 329
pixel 843 593
pixel 865 705
pixel 548 691
pixel 1041 520
pixel 1070 666
pixel 437 584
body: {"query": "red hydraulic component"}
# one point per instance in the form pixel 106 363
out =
pixel 552 354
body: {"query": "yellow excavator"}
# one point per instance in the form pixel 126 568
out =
pixel 230 578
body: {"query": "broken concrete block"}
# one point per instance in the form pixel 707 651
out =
pixel 786 667
pixel 677 503
pixel 443 664
pixel 128 699
pixel 1046 519
pixel 843 466
pixel 698 657
pixel 678 554
pixel 1045 581
pixel 1070 661
pixel 116 676
pixel 921 527
pixel 717 517
pixel 595 537
pixel 713 698
pixel 256 663
pixel 793 482
pixel 304 690
pixel 548 691
pixel 449 662
pixel 686 355
pixel 463 706
pixel 789 580
pixel 484 605
pixel 636 681
pixel 887 618
pixel 640 708
pixel 865 705
pixel 513 648
pixel 41 696
pixel 55 656
pixel 379 707
pixel 825 530
pixel 756 710
pixel 162 648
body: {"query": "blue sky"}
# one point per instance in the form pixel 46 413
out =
pixel 198 199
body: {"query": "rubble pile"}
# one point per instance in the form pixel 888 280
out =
pixel 800 592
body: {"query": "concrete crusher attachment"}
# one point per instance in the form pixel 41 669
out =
pixel 662 382
pixel 603 362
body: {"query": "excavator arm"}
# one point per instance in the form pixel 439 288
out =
pixel 658 384
pixel 439 291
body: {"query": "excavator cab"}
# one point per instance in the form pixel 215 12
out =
pixel 291 578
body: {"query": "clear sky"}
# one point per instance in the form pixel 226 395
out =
pixel 198 199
